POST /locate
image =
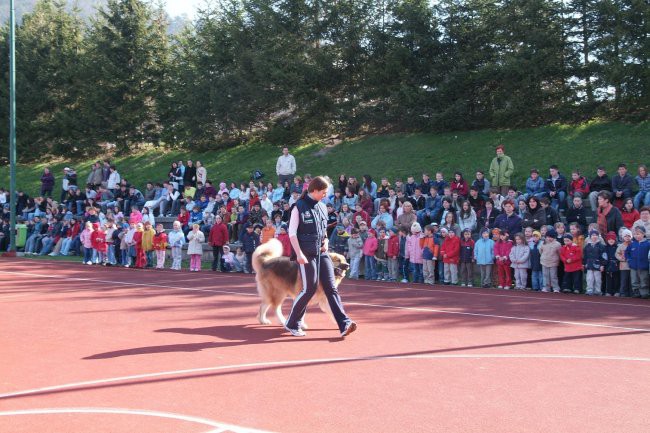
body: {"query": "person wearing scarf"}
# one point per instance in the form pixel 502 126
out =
pixel 609 217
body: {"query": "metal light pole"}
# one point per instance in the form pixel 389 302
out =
pixel 12 123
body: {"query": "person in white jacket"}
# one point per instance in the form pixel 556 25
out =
pixel 285 167
pixel 176 240
pixel 114 179
pixel 195 247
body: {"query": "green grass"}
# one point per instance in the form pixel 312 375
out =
pixel 583 146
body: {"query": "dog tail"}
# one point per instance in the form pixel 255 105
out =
pixel 269 250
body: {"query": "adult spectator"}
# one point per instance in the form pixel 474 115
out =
pixel 407 217
pixel 285 168
pixel 535 215
pixel 508 220
pixel 201 173
pixel 609 217
pixel 482 184
pixel 106 170
pixel 535 186
pixel 95 177
pixel 643 221
pixel 622 185
pixel 642 198
pixel 189 176
pixel 601 182
pixel 136 198
pixel 501 170
pixel 556 185
pixel 114 179
pixel 577 214
pixel 65 184
pixel 47 183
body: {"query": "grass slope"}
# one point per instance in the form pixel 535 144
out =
pixel 584 146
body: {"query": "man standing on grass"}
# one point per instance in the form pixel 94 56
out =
pixel 285 167
pixel 501 170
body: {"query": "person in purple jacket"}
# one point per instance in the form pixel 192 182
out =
pixel 47 183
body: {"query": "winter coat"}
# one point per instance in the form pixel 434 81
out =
pixel 629 218
pixel 579 186
pixel 637 254
pixel 484 251
pixel 501 170
pixel 160 241
pixel 535 186
pixel 85 238
pixel 370 246
pixel 392 249
pixel 98 241
pixel 249 241
pixel 380 254
pixel 577 215
pixel 502 249
pixel 510 223
pixel 520 256
pixel 412 251
pixel 556 185
pixel 534 218
pixel 218 236
pixel 600 184
pixel 535 256
pixel 611 263
pixel 623 265
pixel 467 222
pixel 467 251
pixel 195 244
pixel 571 256
pixel 593 256
pixel 286 244
pixel 47 182
pixel 485 221
pixel 355 246
pixel 147 239
pixel 623 184
pixel 450 247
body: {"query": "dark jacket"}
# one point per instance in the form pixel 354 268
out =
pixel 552 216
pixel 560 184
pixel 598 184
pixel 535 256
pixel 578 216
pixel 510 223
pixel 624 184
pixel 534 218
pixel 487 222
pixel 249 241
pixel 466 251
pixel 593 256
pixel 611 264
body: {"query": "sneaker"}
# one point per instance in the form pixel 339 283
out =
pixel 350 327
pixel 617 295
pixel 588 292
pixel 566 291
pixel 296 332
pixel 89 263
pixel 462 285
pixel 499 287
pixel 556 290
pixel 607 294
pixel 598 293
pixel 405 280
pixel 545 290
pixel 576 292
pixel 469 285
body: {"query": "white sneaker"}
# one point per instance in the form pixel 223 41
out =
pixel 405 280
pixel 469 285
pixel 350 327
pixel 296 332
pixel 545 290
pixel 89 263
pixel 462 285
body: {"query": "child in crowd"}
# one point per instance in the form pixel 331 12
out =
pixel 110 243
pixel 520 261
pixel 98 240
pixel 576 232
pixel 195 238
pixel 124 246
pixel 502 255
pixel 625 286
pixel 147 243
pixel 537 275
pixel 392 254
pixel 466 259
pixel 176 240
pixel 450 251
pixel 593 256
pixel 283 237
pixel 404 264
pixel 484 257
pixel 227 260
pixel 429 255
pixel 240 260
pixel 86 242
pixel 140 256
pixel 268 232
pixel 250 240
pixel 611 265
pixel 370 246
pixel 355 252
pixel 413 252
pixel 571 256
pixel 637 257
pixel 160 246
pixel 380 255
pixel 550 260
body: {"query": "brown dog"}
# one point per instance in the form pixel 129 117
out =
pixel 277 277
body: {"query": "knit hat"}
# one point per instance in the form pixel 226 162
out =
pixel 416 228
pixel 444 230
pixel 594 232
pixel 226 248
pixel 468 230
pixel 551 233
pixel 640 228
pixel 568 236
pixel 537 233
pixel 610 235
pixel 484 230
pixel 394 230
pixel 626 232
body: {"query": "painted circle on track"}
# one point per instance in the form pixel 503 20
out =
pixel 214 425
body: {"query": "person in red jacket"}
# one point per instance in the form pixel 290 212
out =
pixel 160 246
pixel 98 241
pixel 502 256
pixel 283 237
pixel 392 253
pixel 460 185
pixel 218 237
pixel 140 256
pixel 450 252
pixel 571 256
pixel 579 187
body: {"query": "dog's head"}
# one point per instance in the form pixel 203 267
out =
pixel 340 265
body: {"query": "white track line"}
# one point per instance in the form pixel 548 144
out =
pixel 315 361
pixel 548 297
pixel 220 427
pixel 363 304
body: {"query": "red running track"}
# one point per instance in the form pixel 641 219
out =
pixel 120 350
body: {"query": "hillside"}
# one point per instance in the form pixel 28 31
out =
pixel 583 146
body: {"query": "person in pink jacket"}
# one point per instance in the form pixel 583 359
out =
pixel 413 252
pixel 502 256
pixel 85 239
pixel 369 249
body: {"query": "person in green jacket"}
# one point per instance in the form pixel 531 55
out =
pixel 501 170
pixel 21 233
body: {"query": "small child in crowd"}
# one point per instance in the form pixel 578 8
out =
pixel 502 255
pixel 537 275
pixel 195 247
pixel 593 256
pixel 413 252
pixel 176 240
pixel 160 246
pixel 467 246
pixel 520 261
pixel 571 256
pixel 355 252
pixel 429 255
pixel 450 251
pixel 369 248
pixel 484 257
